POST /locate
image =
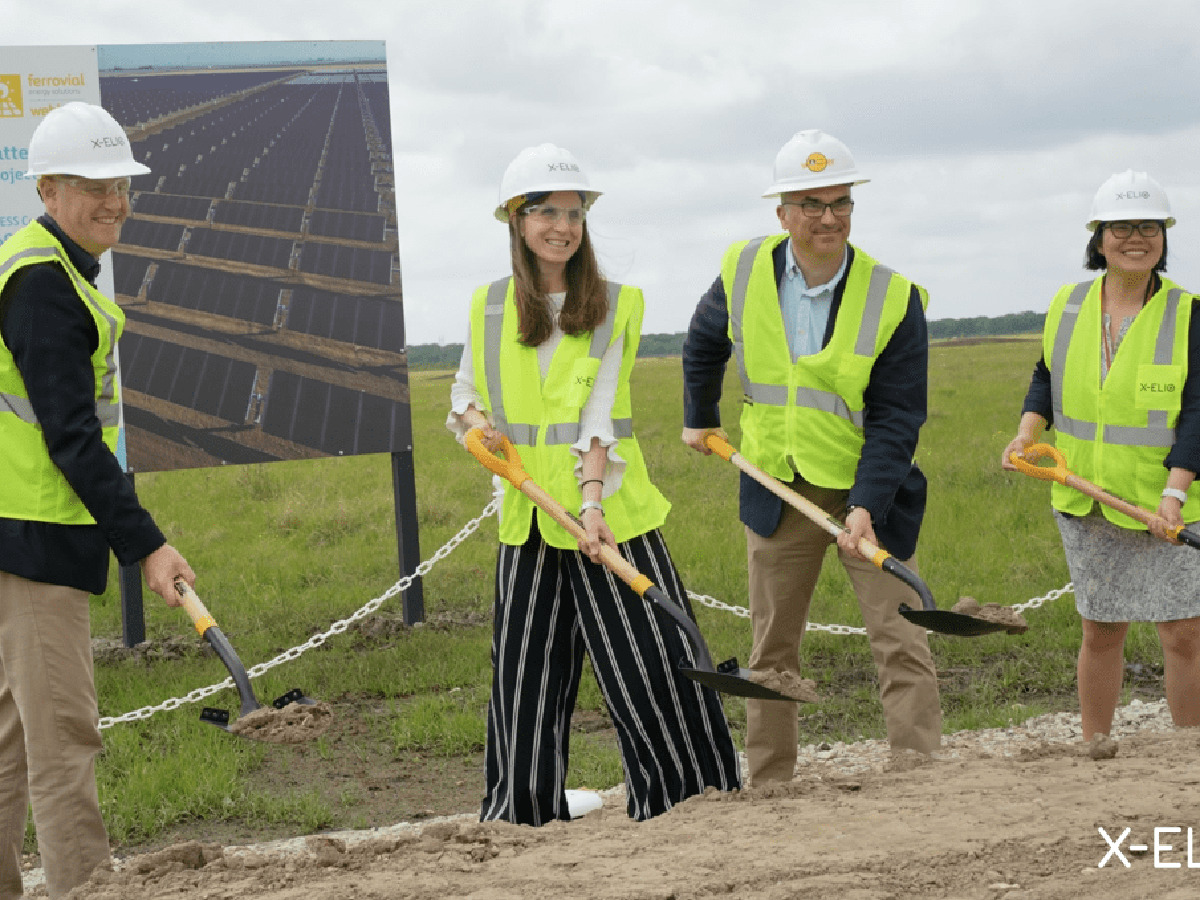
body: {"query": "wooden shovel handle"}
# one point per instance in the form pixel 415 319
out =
pixel 195 609
pixel 726 451
pixel 509 466
pixel 1027 463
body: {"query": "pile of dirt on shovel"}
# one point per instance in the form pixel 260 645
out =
pixel 294 724
pixel 803 690
pixel 1013 621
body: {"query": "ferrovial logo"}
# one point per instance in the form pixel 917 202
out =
pixel 817 162
pixel 1169 851
pixel 11 106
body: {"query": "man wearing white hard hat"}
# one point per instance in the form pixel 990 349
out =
pixel 65 500
pixel 1119 380
pixel 832 352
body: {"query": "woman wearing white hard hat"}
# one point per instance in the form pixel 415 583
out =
pixel 553 346
pixel 1119 380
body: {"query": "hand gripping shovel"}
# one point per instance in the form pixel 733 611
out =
pixel 206 625
pixel 929 616
pixel 726 677
pixel 1027 462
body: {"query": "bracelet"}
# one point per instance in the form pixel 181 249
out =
pixel 1179 495
pixel 590 504
pixel 599 481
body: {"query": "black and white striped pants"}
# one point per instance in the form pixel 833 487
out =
pixel 554 605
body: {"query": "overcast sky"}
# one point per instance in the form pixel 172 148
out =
pixel 985 127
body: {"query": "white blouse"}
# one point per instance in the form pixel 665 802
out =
pixel 595 419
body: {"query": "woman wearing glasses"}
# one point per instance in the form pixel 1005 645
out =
pixel 1119 379
pixel 547 363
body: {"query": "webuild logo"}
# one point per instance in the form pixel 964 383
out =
pixel 11 106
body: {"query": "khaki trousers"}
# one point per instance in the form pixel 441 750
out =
pixel 783 573
pixel 49 735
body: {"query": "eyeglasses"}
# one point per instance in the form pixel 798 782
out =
pixel 1148 228
pixel 814 209
pixel 552 214
pixel 98 190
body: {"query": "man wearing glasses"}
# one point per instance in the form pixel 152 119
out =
pixel 832 352
pixel 64 499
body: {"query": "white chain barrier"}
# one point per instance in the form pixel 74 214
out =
pixel 403 584
pixel 317 639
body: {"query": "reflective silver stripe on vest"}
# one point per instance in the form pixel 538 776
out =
pixel 737 308
pixel 826 401
pixel 810 398
pixel 868 330
pixel 526 434
pixel 107 410
pixel 493 325
pixel 18 406
pixel 1156 432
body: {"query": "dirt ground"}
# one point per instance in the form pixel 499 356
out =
pixel 1024 828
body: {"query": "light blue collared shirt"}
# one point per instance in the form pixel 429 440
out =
pixel 805 309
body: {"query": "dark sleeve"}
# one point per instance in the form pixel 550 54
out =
pixel 706 350
pixel 1037 398
pixel 894 411
pixel 51 336
pixel 1185 454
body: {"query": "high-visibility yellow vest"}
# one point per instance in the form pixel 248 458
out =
pixel 1117 434
pixel 34 487
pixel 806 416
pixel 542 419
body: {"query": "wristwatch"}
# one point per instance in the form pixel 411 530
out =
pixel 853 507
pixel 590 504
pixel 1179 495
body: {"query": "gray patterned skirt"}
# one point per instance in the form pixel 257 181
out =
pixel 1122 575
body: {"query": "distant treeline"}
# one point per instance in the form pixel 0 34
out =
pixel 446 356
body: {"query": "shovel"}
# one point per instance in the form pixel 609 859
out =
pixel 1059 472
pixel 727 678
pixel 206 625
pixel 929 616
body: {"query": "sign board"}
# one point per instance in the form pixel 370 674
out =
pixel 259 269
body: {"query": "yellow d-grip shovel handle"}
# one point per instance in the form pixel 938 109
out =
pixel 1059 472
pixel 1026 463
pixel 719 446
pixel 508 465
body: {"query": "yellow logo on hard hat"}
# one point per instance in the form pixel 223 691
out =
pixel 11 106
pixel 817 162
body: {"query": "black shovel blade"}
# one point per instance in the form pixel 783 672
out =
pixel 945 622
pixel 729 679
pixel 295 695
pixel 220 717
pixel 213 716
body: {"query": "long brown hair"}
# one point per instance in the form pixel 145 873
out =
pixel 587 297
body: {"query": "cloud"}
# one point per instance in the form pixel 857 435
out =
pixel 985 127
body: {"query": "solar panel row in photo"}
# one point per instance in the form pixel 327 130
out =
pixel 269 210
pixel 331 418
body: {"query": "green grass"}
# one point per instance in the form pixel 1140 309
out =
pixel 285 549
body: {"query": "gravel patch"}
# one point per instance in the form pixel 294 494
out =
pixel 838 759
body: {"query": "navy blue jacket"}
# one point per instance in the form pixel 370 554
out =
pixel 52 337
pixel 887 483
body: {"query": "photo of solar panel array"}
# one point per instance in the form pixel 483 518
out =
pixel 259 270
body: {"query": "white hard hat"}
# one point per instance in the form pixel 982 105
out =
pixel 1130 195
pixel 544 168
pixel 813 159
pixel 81 139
